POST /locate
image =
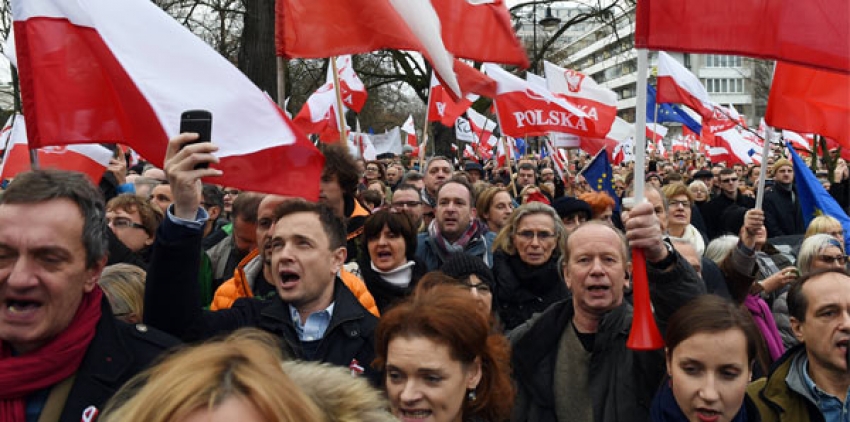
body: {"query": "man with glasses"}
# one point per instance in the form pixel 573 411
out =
pixel 407 198
pixel 729 198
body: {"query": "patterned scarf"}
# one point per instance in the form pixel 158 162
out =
pixel 446 248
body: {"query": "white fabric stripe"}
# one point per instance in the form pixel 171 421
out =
pixel 177 71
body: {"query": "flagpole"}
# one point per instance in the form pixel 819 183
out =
pixel 339 109
pixel 508 155
pixel 655 126
pixel 281 82
pixel 763 174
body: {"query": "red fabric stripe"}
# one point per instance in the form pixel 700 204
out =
pixel 99 102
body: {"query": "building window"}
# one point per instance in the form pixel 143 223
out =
pixel 724 85
pixel 719 60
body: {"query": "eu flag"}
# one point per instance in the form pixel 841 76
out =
pixel 599 175
pixel 668 113
pixel 814 199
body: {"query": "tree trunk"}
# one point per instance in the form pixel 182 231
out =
pixel 257 50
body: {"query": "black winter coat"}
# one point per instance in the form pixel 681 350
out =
pixel 172 304
pixel 522 290
pixel 117 352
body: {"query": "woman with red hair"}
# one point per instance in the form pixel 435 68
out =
pixel 601 204
pixel 442 361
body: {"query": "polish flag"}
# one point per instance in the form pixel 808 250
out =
pixel 505 151
pixel 318 115
pixel 807 100
pixel 524 109
pixel 352 90
pixel 661 150
pixel 676 84
pixel 811 33
pixel 468 152
pixel 620 131
pixel 655 131
pixel 801 143
pixel 477 30
pixel 92 72
pixel 623 152
pixel 89 159
pixel 598 102
pixel 558 161
pixel 410 130
pixel 739 149
pixel 326 28
pixel 482 128
pixel 680 144
pixel 442 108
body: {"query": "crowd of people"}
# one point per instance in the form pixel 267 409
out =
pixel 451 292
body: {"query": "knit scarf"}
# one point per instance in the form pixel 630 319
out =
pixel 446 248
pixel 766 324
pixel 21 376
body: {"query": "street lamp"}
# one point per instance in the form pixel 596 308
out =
pixel 548 22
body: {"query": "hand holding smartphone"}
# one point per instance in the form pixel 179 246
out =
pixel 200 122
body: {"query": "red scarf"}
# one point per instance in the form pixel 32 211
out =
pixel 23 375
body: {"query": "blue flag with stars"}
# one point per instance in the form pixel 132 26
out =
pixel 814 199
pixel 600 177
pixel 668 113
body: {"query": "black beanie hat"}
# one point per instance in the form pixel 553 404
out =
pixel 461 266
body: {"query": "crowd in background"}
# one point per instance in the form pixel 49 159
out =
pixel 431 290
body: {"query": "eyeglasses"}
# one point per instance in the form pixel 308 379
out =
pixel 833 259
pixel 232 192
pixel 406 204
pixel 675 203
pixel 730 180
pixel 529 235
pixel 481 287
pixel 371 169
pixel 123 223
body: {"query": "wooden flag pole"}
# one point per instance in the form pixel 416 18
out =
pixel 340 110
pixel 763 175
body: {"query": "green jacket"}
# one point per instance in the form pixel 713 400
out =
pixel 776 401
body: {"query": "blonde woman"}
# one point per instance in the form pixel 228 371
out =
pixel 124 287
pixel 238 378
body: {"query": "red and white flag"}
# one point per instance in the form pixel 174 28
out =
pixel 598 102
pixel 655 131
pixel 558 161
pixel 482 128
pixel 442 108
pixel 525 109
pixel 810 101
pixel 623 152
pixel 739 149
pixel 89 159
pixel 351 88
pixel 676 84
pixel 812 33
pixel 409 128
pixel 620 132
pixel 680 144
pixel 92 72
pixel 476 30
pixel 468 152
pixel 318 115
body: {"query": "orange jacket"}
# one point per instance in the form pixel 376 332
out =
pixel 248 268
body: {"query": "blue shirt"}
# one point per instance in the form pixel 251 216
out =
pixel 829 405
pixel 315 326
